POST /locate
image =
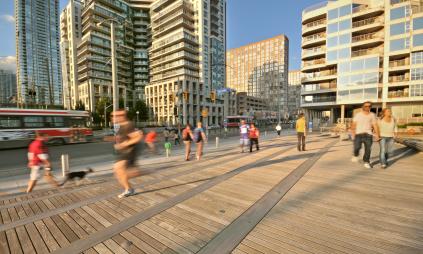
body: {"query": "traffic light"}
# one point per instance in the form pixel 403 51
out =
pixel 213 96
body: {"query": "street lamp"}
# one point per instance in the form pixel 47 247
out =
pixel 138 120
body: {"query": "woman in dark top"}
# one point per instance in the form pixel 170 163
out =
pixel 187 137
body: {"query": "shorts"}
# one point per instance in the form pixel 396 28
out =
pixel 35 172
pixel 128 155
pixel 244 141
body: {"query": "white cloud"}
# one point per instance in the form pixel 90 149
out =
pixel 8 63
pixel 7 18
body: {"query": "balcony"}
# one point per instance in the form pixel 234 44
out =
pixel 318 88
pixel 394 2
pixel 319 101
pixel 314 39
pixel 364 52
pixel 399 64
pixel 314 63
pixel 318 76
pixel 399 93
pixel 313 52
pixel 315 25
pixel 399 78
pixel 369 22
pixel 365 37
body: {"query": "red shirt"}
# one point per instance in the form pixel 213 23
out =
pixel 253 133
pixel 151 137
pixel 36 148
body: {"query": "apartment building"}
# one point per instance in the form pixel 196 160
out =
pixel 94 70
pixel 261 70
pixel 294 93
pixel 39 78
pixel 7 87
pixel 248 104
pixel 359 50
pixel 70 36
pixel 186 35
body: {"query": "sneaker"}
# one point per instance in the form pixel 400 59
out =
pixel 367 165
pixel 127 193
pixel 354 159
pixel 384 166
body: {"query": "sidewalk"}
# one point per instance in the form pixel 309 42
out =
pixel 15 184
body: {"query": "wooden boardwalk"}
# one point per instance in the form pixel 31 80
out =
pixel 276 200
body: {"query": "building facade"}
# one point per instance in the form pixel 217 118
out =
pixel 70 36
pixel 247 104
pixel 294 93
pixel 7 87
pixel 39 79
pixel 186 35
pixel 261 70
pixel 357 50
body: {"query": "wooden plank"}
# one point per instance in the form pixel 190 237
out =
pixel 23 236
pixel 98 237
pixel 114 247
pixel 129 246
pixel 155 243
pixel 66 230
pixel 232 235
pixel 4 246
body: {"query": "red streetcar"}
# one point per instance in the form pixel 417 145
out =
pixel 234 121
pixel 18 126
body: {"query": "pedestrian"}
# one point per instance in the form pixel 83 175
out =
pixel 38 158
pixel 363 126
pixel 387 132
pixel 243 132
pixel 253 134
pixel 300 127
pixel 199 138
pixel 127 138
pixel 187 137
pixel 166 134
pixel 150 140
pixel 176 137
pixel 278 129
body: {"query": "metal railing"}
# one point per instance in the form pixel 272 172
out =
pixel 365 22
pixel 398 63
pixel 363 37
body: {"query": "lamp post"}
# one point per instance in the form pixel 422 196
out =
pixel 105 114
pixel 138 120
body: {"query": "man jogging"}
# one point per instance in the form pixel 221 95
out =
pixel 301 129
pixel 38 158
pixel 363 126
pixel 254 136
pixel 243 131
pixel 127 139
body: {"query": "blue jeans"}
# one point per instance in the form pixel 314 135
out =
pixel 386 144
pixel 367 140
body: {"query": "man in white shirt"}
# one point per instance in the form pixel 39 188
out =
pixel 363 126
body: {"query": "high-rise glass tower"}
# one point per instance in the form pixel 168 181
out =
pixel 38 52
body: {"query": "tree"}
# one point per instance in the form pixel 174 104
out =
pixel 142 108
pixel 99 110
pixel 80 105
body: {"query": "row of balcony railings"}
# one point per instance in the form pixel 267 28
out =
pixel 399 78
pixel 398 63
pixel 318 87
pixel 314 24
pixel 314 37
pixel 173 15
pixel 319 100
pixel 368 36
pixel 314 50
pixel 363 52
pixel 314 62
pixel 170 8
pixel 399 93
pixel 174 23
pixel 319 74
pixel 366 22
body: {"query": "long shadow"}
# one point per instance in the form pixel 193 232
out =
pixel 324 189
pixel 393 158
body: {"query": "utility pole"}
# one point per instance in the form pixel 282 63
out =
pixel 114 68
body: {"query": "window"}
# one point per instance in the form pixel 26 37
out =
pixel 416 90
pixel 417 57
pixel 418 40
pixel 33 121
pixel 332 55
pixel 344 53
pixel 417 74
pixel 333 28
pixel 372 63
pixel 357 65
pixel 356 79
pixel 356 94
pixel 343 67
pixel 371 78
pixel 55 121
pixel 344 10
pixel 398 13
pixel 343 81
pixel 344 39
pixel 343 25
pixel 418 23
pixel 397 44
pixel 370 93
pixel 343 95
pixel 397 29
pixel 7 122
pixel 332 41
pixel 333 14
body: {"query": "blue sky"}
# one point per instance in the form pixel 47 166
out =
pixel 247 21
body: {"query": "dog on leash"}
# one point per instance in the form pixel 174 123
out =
pixel 77 175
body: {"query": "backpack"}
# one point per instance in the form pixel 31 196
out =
pixel 197 135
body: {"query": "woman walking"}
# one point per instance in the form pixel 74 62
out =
pixel 388 131
pixel 199 139
pixel 187 137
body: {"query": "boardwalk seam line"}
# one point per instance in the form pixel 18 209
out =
pixel 100 236
pixel 232 235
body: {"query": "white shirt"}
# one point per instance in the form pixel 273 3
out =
pixel 364 122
